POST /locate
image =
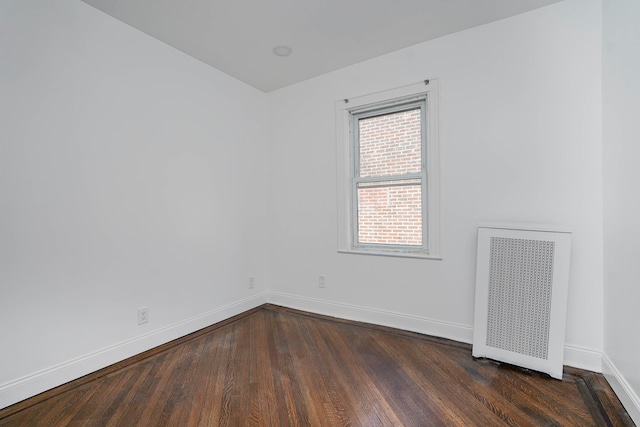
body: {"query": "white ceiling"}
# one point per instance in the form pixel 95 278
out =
pixel 238 36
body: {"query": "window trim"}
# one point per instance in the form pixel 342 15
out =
pixel 398 98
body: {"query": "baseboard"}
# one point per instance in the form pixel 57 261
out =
pixel 418 324
pixel 630 400
pixel 583 358
pixel 38 382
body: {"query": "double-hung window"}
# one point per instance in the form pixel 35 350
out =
pixel 388 173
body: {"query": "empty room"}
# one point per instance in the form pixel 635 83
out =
pixel 319 212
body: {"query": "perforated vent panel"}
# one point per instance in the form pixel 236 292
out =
pixel 520 287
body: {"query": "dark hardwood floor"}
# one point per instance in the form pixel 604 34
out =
pixel 279 367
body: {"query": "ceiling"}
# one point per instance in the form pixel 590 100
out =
pixel 238 36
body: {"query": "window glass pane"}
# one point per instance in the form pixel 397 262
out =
pixel 390 212
pixel 390 144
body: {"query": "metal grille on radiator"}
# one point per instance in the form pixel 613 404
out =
pixel 520 278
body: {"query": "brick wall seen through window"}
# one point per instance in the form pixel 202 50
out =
pixel 390 212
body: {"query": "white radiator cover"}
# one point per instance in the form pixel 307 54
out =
pixel 522 280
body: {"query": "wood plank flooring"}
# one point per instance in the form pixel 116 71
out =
pixel 280 367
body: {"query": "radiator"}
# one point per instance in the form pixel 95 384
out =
pixel 522 279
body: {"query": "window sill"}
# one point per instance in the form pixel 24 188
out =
pixel 399 254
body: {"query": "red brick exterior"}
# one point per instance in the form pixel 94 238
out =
pixel 390 145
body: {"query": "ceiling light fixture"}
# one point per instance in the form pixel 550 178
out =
pixel 282 51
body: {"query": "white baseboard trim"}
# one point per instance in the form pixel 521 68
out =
pixel 630 400
pixel 46 379
pixel 406 322
pixel 38 382
pixel 583 358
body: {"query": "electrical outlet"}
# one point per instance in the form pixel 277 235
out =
pixel 252 282
pixel 143 315
pixel 321 281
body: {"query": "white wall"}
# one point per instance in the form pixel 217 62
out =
pixel 621 142
pixel 520 117
pixel 130 175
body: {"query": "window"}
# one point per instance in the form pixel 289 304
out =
pixel 388 173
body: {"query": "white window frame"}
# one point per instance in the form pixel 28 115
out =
pixel 346 110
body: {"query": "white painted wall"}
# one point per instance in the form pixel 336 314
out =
pixel 621 142
pixel 520 120
pixel 130 175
